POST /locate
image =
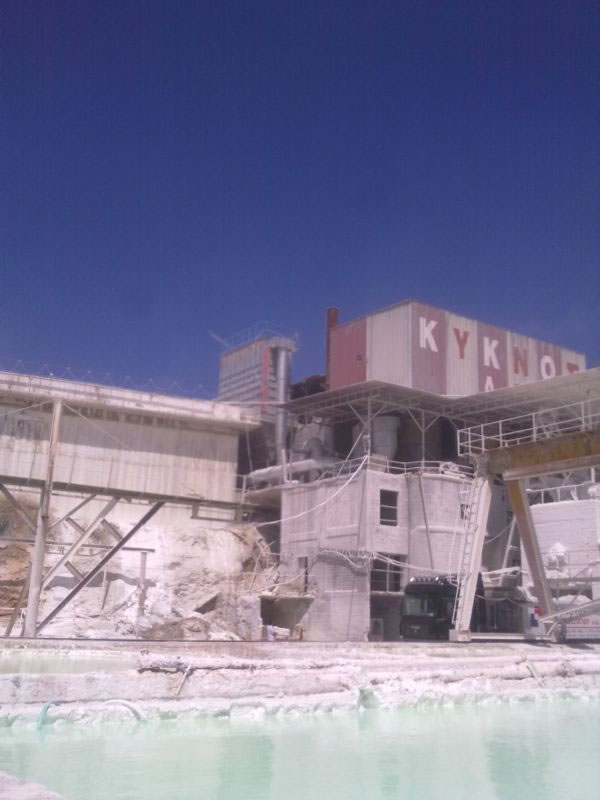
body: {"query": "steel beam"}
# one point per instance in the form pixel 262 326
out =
pixel 18 508
pixel 85 535
pixel 100 565
pixel 112 529
pixel 39 548
pixel 70 513
pixel 73 570
pixel 547 456
pixel 520 504
pixel 19 604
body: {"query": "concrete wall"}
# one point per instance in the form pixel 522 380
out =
pixel 316 517
pixel 351 522
pixel 573 527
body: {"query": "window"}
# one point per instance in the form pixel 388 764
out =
pixel 417 606
pixel 388 507
pixel 386 576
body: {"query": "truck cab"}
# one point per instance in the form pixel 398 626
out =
pixel 428 605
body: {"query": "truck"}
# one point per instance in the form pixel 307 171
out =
pixel 428 606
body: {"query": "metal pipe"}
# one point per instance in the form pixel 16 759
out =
pixel 291 468
pixel 282 376
pixel 39 548
pixel 425 519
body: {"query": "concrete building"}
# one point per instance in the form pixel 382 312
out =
pixel 374 491
pixel 84 467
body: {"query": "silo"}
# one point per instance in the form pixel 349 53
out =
pixel 435 523
pixel 384 437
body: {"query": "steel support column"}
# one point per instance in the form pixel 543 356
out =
pixel 39 548
pixel 520 506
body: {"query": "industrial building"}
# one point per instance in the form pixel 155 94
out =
pixel 83 469
pixel 375 491
pixel 305 506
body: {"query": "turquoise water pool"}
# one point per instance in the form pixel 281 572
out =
pixel 542 750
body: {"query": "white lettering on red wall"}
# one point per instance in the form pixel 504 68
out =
pixel 490 358
pixel 429 332
pixel 426 338
pixel 493 367
pixel 549 360
pixel 547 367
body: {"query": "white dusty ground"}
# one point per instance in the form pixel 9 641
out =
pixel 233 679
pixel 191 562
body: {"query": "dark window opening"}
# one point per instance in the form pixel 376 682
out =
pixel 388 507
pixel 386 576
pixel 303 567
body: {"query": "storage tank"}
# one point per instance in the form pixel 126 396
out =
pixel 313 440
pixel 435 538
pixel 384 437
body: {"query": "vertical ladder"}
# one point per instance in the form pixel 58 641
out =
pixel 476 508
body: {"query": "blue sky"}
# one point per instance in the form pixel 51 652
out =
pixel 171 168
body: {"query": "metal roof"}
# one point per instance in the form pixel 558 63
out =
pixel 343 403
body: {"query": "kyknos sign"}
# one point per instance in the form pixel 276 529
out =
pixel 417 345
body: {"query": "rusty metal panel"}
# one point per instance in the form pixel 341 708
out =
pixel 571 361
pixel 493 366
pixel 428 348
pixel 348 353
pixel 462 375
pixel 389 352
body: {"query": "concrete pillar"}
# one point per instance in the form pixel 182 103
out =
pixel 282 374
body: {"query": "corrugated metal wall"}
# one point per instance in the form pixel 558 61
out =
pixel 388 346
pixel 135 452
pixel 426 348
pixel 461 355
pixel 348 354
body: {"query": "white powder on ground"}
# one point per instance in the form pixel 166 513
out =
pixel 233 679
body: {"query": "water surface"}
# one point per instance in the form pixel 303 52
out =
pixel 544 750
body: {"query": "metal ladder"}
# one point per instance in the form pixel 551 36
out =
pixel 471 497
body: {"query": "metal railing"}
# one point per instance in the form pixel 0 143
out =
pixel 539 425
pixel 340 469
pixel 541 495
